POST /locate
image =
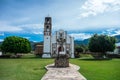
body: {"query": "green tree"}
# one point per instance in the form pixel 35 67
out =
pixel 85 48
pixel 0 47
pixel 101 44
pixel 118 50
pixel 78 50
pixel 14 44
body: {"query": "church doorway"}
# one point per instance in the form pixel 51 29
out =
pixel 60 49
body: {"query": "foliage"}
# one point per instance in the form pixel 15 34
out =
pixel 119 50
pixel 0 47
pixel 14 44
pixel 118 38
pixel 101 43
pixel 78 50
pixel 113 55
pixel 85 48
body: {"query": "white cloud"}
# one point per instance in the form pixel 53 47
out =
pixel 94 7
pixel 23 19
pixel 80 36
pixel 1 40
pixel 112 32
pixel 109 31
pixel 35 41
pixel 6 27
pixel 10 28
pixel 29 28
pixel 32 28
pixel 118 31
pixel 2 34
pixel 38 32
pixel 64 17
pixel 27 37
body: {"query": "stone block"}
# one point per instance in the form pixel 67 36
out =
pixel 62 61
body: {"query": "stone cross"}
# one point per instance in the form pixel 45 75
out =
pixel 62 60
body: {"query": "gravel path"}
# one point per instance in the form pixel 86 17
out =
pixel 68 73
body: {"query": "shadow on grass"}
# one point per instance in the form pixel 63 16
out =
pixel 34 58
pixel 24 58
pixel 39 68
pixel 30 58
pixel 92 59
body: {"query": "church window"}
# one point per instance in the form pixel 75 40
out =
pixel 47 27
pixel 47 20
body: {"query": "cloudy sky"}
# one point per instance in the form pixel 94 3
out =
pixel 81 18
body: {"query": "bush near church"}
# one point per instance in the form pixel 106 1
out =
pixel 0 47
pixel 15 45
pixel 100 44
pixel 78 50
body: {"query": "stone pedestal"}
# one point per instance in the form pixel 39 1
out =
pixel 62 61
pixel 58 73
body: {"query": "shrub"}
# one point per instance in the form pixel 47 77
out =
pixel 14 44
pixel 100 44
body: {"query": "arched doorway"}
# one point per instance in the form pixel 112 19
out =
pixel 60 49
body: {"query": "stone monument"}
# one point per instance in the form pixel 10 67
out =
pixel 62 59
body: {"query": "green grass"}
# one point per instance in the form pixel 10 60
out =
pixel 31 68
pixel 99 69
pixel 23 69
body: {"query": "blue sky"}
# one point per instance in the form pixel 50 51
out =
pixel 81 18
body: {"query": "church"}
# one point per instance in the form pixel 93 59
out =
pixel 58 43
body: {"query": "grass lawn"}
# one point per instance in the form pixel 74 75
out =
pixel 99 70
pixel 23 69
pixel 31 68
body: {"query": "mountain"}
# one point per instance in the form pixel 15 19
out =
pixel 83 42
pixel 118 38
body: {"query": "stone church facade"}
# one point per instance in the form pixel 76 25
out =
pixel 52 46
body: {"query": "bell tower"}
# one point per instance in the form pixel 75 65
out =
pixel 47 26
pixel 47 37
